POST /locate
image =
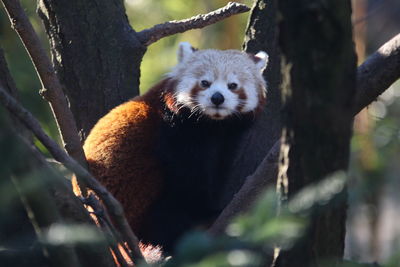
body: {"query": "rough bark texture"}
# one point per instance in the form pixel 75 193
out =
pixel 261 35
pixel 318 90
pixel 96 54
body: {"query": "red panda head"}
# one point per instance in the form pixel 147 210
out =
pixel 218 84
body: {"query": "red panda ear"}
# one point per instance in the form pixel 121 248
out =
pixel 260 59
pixel 185 50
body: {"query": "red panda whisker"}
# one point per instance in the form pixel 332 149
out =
pixel 192 113
pixel 200 116
pixel 198 106
pixel 179 109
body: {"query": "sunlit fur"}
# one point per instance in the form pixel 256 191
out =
pixel 219 68
pixel 159 153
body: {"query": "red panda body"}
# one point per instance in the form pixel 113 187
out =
pixel 164 154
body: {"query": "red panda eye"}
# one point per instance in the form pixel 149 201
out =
pixel 205 83
pixel 232 86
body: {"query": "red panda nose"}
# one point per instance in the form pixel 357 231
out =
pixel 217 99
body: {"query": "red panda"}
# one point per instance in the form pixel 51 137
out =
pixel 164 154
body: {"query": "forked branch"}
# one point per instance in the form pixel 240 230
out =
pixel 155 33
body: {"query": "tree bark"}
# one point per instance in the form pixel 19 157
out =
pixel 318 88
pixel 96 55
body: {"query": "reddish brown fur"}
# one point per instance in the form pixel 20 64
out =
pixel 125 133
pixel 168 94
pixel 262 100
pixel 194 92
pixel 128 130
pixel 242 96
pixel 120 149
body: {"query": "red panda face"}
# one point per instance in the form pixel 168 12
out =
pixel 219 84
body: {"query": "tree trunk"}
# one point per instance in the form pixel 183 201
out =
pixel 319 67
pixel 96 55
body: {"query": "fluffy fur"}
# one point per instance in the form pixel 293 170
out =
pixel 164 154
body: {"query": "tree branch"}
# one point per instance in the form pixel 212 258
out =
pixel 52 89
pixel 377 73
pixel 374 76
pixel 113 206
pixel 69 207
pixel 107 228
pixel 72 208
pixel 42 211
pixel 254 185
pixel 155 33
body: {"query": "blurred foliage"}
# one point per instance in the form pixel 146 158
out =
pixel 25 186
pixel 374 167
pixel 374 177
pixel 252 238
pixel 17 237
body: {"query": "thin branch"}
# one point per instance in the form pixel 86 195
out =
pixel 377 73
pixel 74 211
pixel 52 89
pixel 374 76
pixel 5 77
pixel 254 185
pixel 159 31
pixel 107 228
pixel 113 206
pixel 42 211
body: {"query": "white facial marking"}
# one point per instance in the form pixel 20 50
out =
pixel 252 98
pixel 218 68
pixel 183 89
